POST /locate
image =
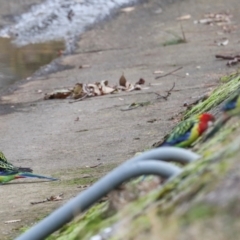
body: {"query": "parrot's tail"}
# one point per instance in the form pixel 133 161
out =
pixel 31 175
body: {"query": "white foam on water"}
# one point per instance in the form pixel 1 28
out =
pixel 59 19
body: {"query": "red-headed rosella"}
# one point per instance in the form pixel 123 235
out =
pixel 230 108
pixel 8 172
pixel 189 131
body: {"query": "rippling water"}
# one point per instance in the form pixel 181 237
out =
pixel 33 28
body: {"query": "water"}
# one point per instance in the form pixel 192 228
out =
pixel 33 28
pixel 20 63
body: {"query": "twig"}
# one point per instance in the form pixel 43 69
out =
pixel 103 50
pixel 168 93
pixel 227 57
pixel 232 59
pixel 169 73
pixel 94 166
pixel 80 99
pixel 183 33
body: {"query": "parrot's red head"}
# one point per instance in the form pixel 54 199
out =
pixel 205 120
pixel 206 117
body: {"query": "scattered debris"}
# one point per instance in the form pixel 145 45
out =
pixel 50 199
pixel 128 9
pixel 136 138
pixel 152 120
pixel 184 17
pixel 222 42
pixel 84 66
pixel 135 105
pixel 219 19
pixel 82 130
pixel 158 72
pixel 169 73
pixel 58 94
pixel 126 86
pixel 83 186
pixel 94 166
pixel 86 175
pixel 81 91
pixel 233 60
pixel 12 221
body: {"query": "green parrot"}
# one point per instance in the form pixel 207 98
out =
pixel 5 165
pixel 8 172
pixel 7 176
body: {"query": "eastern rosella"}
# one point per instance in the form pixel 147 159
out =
pixel 188 131
pixel 5 165
pixel 7 176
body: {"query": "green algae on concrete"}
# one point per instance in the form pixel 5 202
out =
pixel 181 193
pixel 176 201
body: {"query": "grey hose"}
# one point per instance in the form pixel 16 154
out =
pixel 88 197
pixel 140 165
pixel 167 154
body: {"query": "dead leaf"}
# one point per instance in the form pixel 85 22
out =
pixel 223 42
pixel 184 17
pixel 82 130
pixel 128 9
pixel 56 198
pixel 122 81
pixel 152 120
pixel 86 175
pixel 51 198
pixel 58 94
pixel 94 166
pixel 220 19
pixel 78 90
pixel 141 81
pixel 12 221
pixel 137 87
pixel 158 72
pixel 83 186
pixel 84 66
pixel 104 88
pixel 94 90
